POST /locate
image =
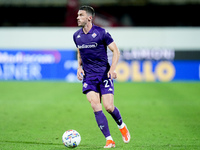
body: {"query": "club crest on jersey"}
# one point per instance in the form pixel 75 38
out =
pixel 94 35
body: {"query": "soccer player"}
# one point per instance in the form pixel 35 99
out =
pixel 97 75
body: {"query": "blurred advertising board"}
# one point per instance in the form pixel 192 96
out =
pixel 156 64
pixel 38 65
pixel 164 71
pixel 138 65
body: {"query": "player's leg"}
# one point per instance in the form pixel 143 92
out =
pixel 94 99
pixel 107 90
pixel 108 102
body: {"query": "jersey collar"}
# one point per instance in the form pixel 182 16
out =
pixel 90 32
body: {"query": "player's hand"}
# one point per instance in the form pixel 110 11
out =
pixel 80 73
pixel 112 74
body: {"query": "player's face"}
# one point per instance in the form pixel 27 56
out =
pixel 82 18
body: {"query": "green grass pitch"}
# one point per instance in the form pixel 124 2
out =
pixel 34 115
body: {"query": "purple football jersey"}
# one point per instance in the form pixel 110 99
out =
pixel 93 50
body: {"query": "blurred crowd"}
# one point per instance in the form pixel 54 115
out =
pixel 113 13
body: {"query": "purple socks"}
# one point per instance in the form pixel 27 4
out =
pixel 116 116
pixel 102 123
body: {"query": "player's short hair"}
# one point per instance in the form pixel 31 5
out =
pixel 88 9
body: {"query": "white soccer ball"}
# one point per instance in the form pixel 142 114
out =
pixel 71 138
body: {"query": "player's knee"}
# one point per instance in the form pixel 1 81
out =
pixel 95 106
pixel 109 108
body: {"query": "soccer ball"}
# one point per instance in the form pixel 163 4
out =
pixel 71 138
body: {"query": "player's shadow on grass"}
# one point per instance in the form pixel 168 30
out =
pixel 27 142
pixel 53 144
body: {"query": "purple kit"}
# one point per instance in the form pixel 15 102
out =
pixel 93 51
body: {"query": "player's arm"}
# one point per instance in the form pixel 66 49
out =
pixel 116 54
pixel 80 71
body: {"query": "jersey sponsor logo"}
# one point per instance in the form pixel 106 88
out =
pixel 78 36
pixel 88 45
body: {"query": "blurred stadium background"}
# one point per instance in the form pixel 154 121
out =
pixel 159 42
pixel 158 39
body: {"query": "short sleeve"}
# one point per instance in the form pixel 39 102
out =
pixel 74 40
pixel 107 37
